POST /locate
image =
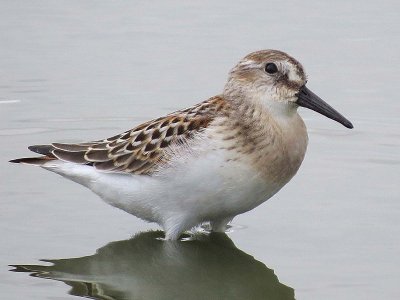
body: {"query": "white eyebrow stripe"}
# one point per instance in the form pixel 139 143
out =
pixel 248 64
pixel 294 77
pixel 293 74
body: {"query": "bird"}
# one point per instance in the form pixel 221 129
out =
pixel 207 163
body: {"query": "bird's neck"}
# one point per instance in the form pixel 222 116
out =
pixel 280 111
pixel 275 132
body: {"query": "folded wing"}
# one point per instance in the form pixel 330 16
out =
pixel 140 150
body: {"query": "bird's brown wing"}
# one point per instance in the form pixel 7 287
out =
pixel 142 149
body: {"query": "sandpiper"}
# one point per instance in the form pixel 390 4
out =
pixel 207 163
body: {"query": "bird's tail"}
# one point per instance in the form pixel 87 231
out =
pixel 40 160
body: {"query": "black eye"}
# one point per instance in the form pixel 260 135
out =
pixel 271 68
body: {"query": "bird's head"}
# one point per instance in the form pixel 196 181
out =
pixel 278 81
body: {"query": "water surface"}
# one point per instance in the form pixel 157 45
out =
pixel 146 267
pixel 76 71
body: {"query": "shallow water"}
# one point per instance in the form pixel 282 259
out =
pixel 75 71
pixel 146 267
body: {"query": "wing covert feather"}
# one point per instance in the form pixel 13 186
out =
pixel 142 149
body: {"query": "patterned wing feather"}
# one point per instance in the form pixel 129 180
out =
pixel 142 149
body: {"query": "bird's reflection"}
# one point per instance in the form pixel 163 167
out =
pixel 145 267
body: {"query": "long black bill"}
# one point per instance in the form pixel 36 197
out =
pixel 310 100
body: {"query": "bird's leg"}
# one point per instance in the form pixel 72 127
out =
pixel 174 227
pixel 220 225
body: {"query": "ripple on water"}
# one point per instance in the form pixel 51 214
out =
pixel 10 101
pixel 22 131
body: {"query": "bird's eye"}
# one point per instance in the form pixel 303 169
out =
pixel 271 68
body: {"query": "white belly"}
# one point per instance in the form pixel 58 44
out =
pixel 207 189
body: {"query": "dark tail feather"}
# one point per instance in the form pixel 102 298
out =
pixel 42 149
pixel 32 160
pixel 46 150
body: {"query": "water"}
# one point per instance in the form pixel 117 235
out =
pixel 75 71
pixel 146 267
